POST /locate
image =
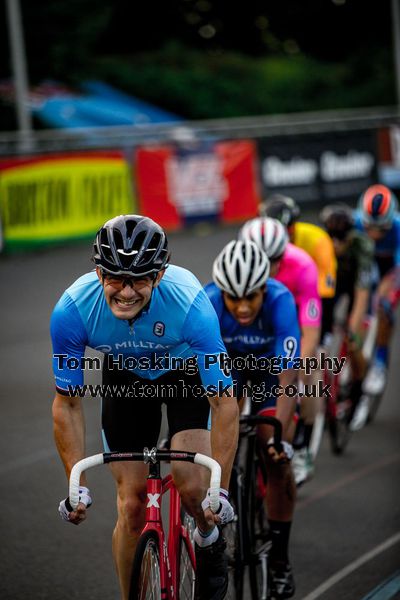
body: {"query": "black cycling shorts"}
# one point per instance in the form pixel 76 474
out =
pixel 131 414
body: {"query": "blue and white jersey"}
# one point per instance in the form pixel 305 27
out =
pixel 274 333
pixel 387 249
pixel 178 322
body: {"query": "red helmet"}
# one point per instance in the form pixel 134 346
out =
pixel 378 206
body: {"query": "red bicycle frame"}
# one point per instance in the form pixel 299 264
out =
pixel 169 564
pixel 169 560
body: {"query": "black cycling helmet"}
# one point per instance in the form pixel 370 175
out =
pixel 282 208
pixel 131 245
pixel 337 219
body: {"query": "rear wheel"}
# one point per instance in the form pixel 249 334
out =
pixel 374 402
pixel 340 406
pixel 258 567
pixel 338 426
pixel 187 576
pixel 146 573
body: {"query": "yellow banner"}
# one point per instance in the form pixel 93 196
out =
pixel 68 197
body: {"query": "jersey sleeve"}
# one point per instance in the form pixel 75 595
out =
pixel 69 340
pixel 326 263
pixel 308 298
pixel 202 332
pixel 286 330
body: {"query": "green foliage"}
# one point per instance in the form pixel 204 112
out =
pixel 200 85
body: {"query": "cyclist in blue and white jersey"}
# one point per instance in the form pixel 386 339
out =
pixel 378 217
pixel 259 326
pixel 143 316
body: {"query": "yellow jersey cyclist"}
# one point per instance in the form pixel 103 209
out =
pixel 311 238
pixel 293 267
pixel 377 216
pixel 142 313
pixel 259 327
pixel 355 256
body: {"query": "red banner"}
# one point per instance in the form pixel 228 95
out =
pixel 214 182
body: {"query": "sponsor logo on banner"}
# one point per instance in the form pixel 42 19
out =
pixel 196 184
pixel 296 171
pixel 352 165
pixel 62 196
pixel 215 181
pixel 319 167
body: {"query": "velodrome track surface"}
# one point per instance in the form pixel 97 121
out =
pixel 346 529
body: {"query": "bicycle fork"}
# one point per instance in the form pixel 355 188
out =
pixel 154 523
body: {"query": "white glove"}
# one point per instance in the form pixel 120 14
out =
pixel 286 447
pixel 225 511
pixel 65 508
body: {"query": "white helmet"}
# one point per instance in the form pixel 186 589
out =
pixel 269 234
pixel 240 268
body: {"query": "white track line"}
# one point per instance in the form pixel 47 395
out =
pixel 353 566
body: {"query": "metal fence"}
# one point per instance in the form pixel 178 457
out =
pixel 127 137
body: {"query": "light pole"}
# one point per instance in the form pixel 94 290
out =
pixel 17 46
pixel 396 45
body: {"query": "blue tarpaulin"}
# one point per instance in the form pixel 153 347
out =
pixel 103 106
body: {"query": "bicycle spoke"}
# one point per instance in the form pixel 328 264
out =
pixel 187 575
pixel 150 584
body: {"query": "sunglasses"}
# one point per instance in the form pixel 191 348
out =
pixel 120 281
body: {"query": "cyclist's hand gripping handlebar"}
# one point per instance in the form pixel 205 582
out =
pixel 155 456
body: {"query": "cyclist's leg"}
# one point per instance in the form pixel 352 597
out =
pixel 280 500
pixel 188 419
pixel 303 464
pixel 192 480
pixel 128 425
pixel 130 481
pixel 387 298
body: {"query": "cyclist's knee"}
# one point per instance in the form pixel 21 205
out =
pixel 131 512
pixel 192 494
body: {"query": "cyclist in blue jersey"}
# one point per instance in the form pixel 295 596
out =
pixel 259 326
pixel 149 322
pixel 377 216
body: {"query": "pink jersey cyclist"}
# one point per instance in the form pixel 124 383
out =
pixel 298 271
pixel 290 265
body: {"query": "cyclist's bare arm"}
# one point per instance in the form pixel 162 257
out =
pixel 69 435
pixel 69 430
pixel 359 309
pixel 310 335
pixel 224 434
pixel 285 406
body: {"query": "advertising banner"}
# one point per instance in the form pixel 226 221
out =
pixel 180 185
pixel 389 157
pixel 49 198
pixel 323 167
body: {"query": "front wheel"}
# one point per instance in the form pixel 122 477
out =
pixel 187 576
pixel 259 540
pixel 146 572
